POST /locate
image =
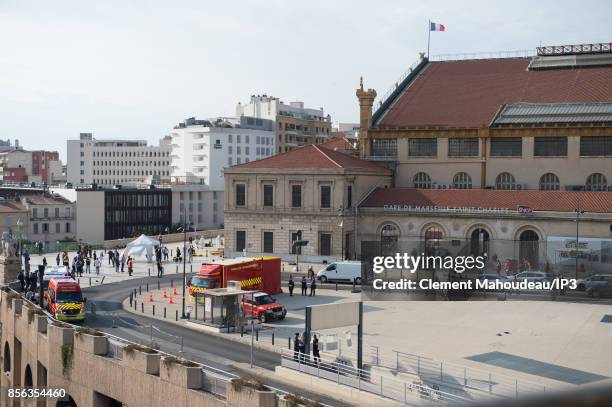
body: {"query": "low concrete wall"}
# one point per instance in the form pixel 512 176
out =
pixel 37 352
pixel 170 238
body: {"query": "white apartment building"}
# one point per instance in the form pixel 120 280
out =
pixel 198 205
pixel 202 148
pixel 108 162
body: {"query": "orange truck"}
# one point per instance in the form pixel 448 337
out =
pixel 65 300
pixel 254 274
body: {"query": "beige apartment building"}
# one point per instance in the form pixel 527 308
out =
pixel 310 193
pixel 295 124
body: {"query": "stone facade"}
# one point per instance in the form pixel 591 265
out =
pixel 284 220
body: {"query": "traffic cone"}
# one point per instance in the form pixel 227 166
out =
pixel 174 292
pixel 150 296
pixel 165 293
pixel 170 301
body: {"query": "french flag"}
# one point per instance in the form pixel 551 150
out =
pixel 436 27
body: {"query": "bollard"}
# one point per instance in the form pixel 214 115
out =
pixel 149 271
pixel 140 290
pixel 289 343
pixel 135 305
pixel 336 286
pixel 171 283
pixel 177 269
pixel 257 335
pixel 272 338
pixel 142 307
pixel 153 309
pixel 164 312
pixel 131 299
pixel 196 310
pixel 90 281
pixel 241 331
pixel 176 315
pixel 158 285
pixel 147 287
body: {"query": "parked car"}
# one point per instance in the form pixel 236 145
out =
pixel 492 277
pixel 341 271
pixel 584 284
pixel 531 276
pixel 601 291
pixel 263 307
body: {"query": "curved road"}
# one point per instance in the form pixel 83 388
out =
pixel 198 346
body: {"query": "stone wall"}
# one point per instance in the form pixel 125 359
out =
pixel 38 352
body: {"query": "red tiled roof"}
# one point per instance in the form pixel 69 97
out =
pixel 553 201
pixel 12 207
pixel 46 200
pixel 311 156
pixel 469 93
pixel 339 143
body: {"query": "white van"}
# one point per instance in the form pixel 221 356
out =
pixel 341 271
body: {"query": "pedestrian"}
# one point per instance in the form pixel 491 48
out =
pixel 310 272
pixel 165 253
pixel 110 257
pixel 97 265
pixel 33 281
pixel 296 347
pixel 303 349
pixel 178 254
pixel 122 262
pixel 95 256
pixel 21 279
pixel 313 286
pixel 79 266
pixel 304 285
pixel 117 263
pixel 315 349
pixel 87 265
pixel 130 264
pixel 57 259
pixel 44 262
pixel 291 286
pixel 65 259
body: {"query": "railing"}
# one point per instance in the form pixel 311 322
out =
pixel 450 375
pixel 382 99
pixel 385 386
pixel 600 48
pixel 483 55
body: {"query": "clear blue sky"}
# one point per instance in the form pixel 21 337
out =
pixel 135 68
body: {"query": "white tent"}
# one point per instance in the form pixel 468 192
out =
pixel 139 246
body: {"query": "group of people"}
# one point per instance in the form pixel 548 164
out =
pixel 299 348
pixel 82 261
pixel 305 283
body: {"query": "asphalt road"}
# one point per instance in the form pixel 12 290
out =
pixel 198 346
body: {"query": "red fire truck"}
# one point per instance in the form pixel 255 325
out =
pixel 254 274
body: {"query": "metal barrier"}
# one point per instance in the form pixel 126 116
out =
pixel 455 376
pixel 364 380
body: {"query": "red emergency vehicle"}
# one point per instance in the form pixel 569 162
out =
pixel 65 300
pixel 254 274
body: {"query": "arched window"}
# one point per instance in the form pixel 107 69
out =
pixel 7 358
pixel 596 182
pixel 529 245
pixel 505 180
pixel 433 233
pixel 462 180
pixel 549 182
pixel 389 233
pixel 422 180
pixel 28 377
pixel 479 242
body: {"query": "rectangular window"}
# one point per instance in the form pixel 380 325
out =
pixel 383 148
pixel 268 195
pixel 46 212
pixel 247 150
pixel 229 138
pixel 67 227
pixel 67 212
pixel 34 212
pixel 45 228
pixel 550 147
pixel 35 228
pixel 240 194
pixel 229 149
pixel 247 139
pixel 423 147
pixel 240 240
pixel 595 146
pixel 296 196
pixel 506 147
pixel 57 212
pixel 268 242
pixel 238 150
pixel 325 244
pixel 57 228
pixel 349 196
pixel 238 138
pixel 229 161
pixel 463 147
pixel 325 196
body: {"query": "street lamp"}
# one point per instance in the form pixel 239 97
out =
pixel 578 213
pixel 341 225
pixel 19 248
pixel 297 248
pixel 185 225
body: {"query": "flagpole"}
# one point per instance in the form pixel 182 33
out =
pixel 428 36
